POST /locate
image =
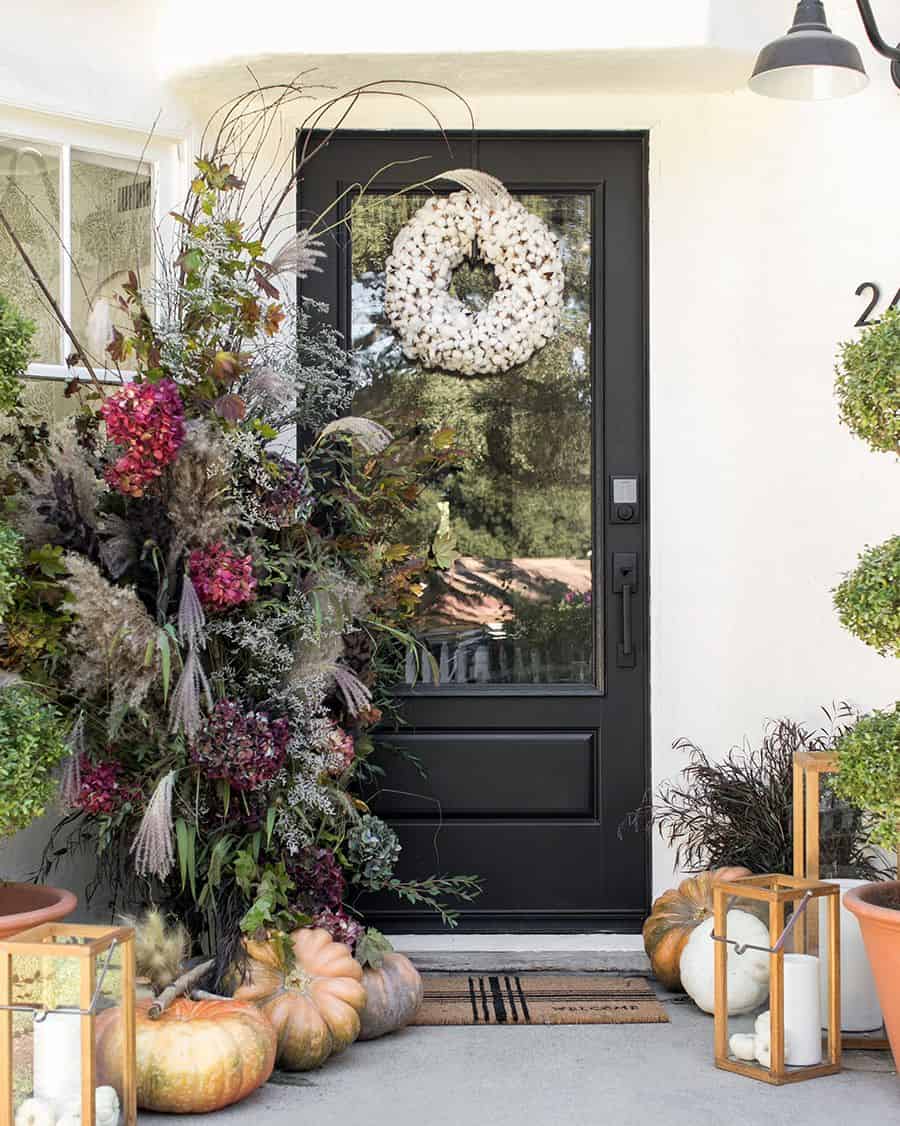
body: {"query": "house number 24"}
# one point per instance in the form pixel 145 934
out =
pixel 874 297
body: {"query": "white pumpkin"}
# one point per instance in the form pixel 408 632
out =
pixel 748 973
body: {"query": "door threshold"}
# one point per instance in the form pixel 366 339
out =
pixel 522 953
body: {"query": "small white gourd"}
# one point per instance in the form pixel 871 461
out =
pixel 35 1112
pixel 748 973
pixel 107 1106
pixel 106 1109
pixel 742 1046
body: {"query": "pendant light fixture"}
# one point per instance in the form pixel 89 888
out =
pixel 810 62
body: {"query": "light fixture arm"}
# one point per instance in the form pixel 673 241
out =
pixel 877 39
pixel 875 36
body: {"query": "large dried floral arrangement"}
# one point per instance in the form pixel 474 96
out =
pixel 217 610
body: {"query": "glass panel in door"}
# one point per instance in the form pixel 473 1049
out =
pixel 517 607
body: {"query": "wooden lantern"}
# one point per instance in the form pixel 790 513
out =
pixel 55 980
pixel 778 891
pixel 809 766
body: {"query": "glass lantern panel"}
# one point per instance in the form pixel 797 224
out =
pixel 110 1041
pixel 843 851
pixel 47 1048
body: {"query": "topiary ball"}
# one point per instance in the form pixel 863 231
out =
pixel 868 600
pixel 868 384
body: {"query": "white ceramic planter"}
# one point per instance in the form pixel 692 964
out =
pixel 860 1011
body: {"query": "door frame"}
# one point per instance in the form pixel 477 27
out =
pixel 480 704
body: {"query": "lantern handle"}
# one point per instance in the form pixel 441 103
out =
pixel 742 947
pixel 41 1012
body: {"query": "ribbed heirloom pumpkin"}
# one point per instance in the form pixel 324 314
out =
pixel 393 996
pixel 675 915
pixel 313 1005
pixel 198 1056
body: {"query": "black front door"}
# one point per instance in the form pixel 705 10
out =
pixel 531 721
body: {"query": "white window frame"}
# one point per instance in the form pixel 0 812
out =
pixel 164 155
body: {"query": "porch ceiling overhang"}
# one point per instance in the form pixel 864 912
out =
pixel 485 49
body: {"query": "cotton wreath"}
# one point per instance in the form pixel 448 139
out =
pixel 437 328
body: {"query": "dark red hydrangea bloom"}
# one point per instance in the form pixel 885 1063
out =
pixel 318 879
pixel 147 420
pixel 341 926
pixel 222 578
pixel 103 788
pixel 245 749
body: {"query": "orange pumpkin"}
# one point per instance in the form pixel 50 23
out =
pixel 675 915
pixel 199 1056
pixel 393 996
pixel 314 1006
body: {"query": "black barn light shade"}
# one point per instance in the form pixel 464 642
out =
pixel 810 62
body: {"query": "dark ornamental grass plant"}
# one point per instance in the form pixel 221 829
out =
pixel 207 613
pixel 737 810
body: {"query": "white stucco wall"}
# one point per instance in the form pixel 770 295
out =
pixel 764 217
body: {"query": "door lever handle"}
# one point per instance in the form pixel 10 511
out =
pixel 624 582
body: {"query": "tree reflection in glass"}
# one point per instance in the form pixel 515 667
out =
pixel 516 608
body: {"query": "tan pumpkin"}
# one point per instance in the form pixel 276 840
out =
pixel 315 1005
pixel 393 996
pixel 675 915
pixel 199 1056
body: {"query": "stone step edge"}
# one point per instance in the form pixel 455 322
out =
pixel 535 961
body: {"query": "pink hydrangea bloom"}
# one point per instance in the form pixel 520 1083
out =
pixel 340 752
pixel 222 578
pixel 147 421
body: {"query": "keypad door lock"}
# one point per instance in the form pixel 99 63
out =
pixel 624 500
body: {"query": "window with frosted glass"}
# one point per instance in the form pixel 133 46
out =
pixel 517 606
pixel 83 230
pixel 112 230
pixel 30 201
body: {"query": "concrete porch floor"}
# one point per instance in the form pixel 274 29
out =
pixel 623 1075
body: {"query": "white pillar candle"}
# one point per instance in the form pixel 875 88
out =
pixel 57 1059
pixel 860 1011
pixel 802 1012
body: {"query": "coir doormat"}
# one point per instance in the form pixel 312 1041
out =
pixel 538 999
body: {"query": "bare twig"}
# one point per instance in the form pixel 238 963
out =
pixel 205 995
pixel 179 987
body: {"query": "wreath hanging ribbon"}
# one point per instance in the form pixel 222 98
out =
pixel 438 329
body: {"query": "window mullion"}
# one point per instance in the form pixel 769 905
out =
pixel 65 248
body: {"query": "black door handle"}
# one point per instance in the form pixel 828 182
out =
pixel 624 582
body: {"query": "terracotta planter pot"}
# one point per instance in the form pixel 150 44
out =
pixel 877 909
pixel 28 905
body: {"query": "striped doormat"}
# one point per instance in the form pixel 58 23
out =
pixel 538 999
